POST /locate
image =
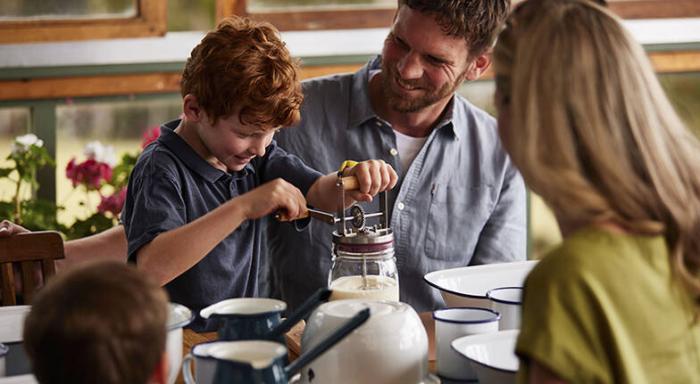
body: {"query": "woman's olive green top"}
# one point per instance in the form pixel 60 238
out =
pixel 604 308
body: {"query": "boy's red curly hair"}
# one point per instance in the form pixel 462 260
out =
pixel 244 64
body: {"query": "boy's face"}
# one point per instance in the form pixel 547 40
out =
pixel 233 143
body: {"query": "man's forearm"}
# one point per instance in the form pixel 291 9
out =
pixel 107 245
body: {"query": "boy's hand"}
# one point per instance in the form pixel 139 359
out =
pixel 273 196
pixel 374 176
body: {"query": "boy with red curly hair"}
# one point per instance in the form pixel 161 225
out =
pixel 198 193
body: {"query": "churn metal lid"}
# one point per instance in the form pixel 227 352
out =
pixel 365 240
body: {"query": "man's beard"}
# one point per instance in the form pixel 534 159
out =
pixel 414 104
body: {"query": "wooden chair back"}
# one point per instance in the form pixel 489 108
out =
pixel 25 250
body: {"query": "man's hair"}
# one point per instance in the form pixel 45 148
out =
pixel 477 21
pixel 244 66
pixel 102 322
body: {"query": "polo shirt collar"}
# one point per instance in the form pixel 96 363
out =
pixel 191 159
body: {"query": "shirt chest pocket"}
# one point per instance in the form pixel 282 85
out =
pixel 456 217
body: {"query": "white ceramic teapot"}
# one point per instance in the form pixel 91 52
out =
pixel 390 348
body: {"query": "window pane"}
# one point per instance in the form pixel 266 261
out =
pixel 684 92
pixel 480 93
pixel 268 5
pixel 66 9
pixel 120 125
pixel 13 122
pixel 186 15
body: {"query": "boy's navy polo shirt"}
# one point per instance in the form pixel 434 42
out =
pixel 171 185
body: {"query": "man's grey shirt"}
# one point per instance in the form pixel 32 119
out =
pixel 461 202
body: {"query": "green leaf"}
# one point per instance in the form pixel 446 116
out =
pixel 121 171
pixel 39 214
pixel 7 210
pixel 94 224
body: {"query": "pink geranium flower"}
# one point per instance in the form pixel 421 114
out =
pixel 113 203
pixel 150 136
pixel 90 173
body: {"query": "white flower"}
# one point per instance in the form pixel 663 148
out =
pixel 101 153
pixel 22 143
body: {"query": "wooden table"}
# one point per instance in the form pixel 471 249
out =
pixel 190 338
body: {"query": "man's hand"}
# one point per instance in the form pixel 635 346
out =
pixel 374 176
pixel 8 228
pixel 276 195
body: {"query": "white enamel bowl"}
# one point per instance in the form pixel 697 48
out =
pixel 467 286
pixel 491 355
pixel 178 317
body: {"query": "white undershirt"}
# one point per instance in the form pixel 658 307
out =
pixel 408 148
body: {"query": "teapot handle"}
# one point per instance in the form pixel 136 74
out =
pixel 320 296
pixel 326 344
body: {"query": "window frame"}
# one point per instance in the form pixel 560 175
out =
pixel 382 17
pixel 150 20
pixel 310 20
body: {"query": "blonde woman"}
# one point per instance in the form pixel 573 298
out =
pixel 585 120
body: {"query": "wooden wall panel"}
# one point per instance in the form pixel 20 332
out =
pixel 653 9
pixel 89 86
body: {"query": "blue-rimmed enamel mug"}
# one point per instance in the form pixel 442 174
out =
pixel 259 318
pixel 508 302
pixel 256 361
pixel 452 323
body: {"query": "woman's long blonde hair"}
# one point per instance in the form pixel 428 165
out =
pixel 593 132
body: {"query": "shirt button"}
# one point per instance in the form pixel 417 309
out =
pixel 393 152
pixel 400 206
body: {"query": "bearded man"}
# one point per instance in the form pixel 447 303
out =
pixel 460 200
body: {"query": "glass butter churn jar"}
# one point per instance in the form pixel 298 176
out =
pixel 364 266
